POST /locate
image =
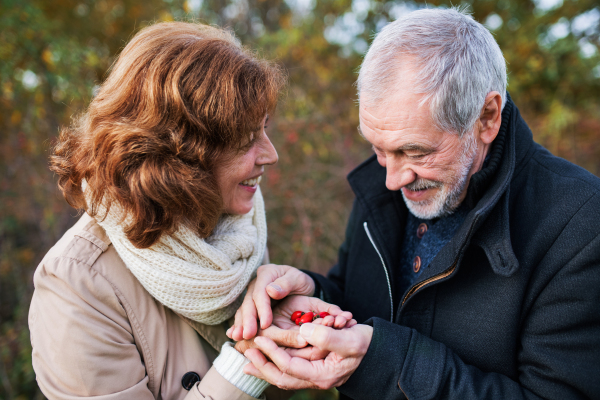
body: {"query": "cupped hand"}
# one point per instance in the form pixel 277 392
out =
pixel 290 369
pixel 284 332
pixel 272 282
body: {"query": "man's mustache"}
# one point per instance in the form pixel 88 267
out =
pixel 423 184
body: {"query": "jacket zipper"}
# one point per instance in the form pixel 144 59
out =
pixel 418 286
pixel 387 276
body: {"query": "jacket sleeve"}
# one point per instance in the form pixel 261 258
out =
pixel 331 288
pixel 559 356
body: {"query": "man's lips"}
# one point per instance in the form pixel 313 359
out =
pixel 416 195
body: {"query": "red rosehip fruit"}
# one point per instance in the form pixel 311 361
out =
pixel 308 317
pixel 323 314
pixel 297 321
pixel 296 315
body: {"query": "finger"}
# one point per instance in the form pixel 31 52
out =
pixel 351 323
pixel 228 333
pixel 281 287
pixel 293 366
pixel 339 322
pixel 238 333
pixel 249 319
pixel 308 353
pixel 236 329
pixel 250 369
pixel 265 370
pixel 349 342
pixel 284 337
pixel 261 298
pixel 332 309
pixel 328 321
pixel 244 345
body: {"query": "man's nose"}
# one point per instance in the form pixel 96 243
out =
pixel 398 175
pixel 268 154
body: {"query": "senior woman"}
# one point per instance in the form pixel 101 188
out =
pixel 133 301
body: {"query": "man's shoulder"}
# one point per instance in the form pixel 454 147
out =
pixel 550 196
pixel 552 175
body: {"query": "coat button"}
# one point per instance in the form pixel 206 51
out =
pixel 421 230
pixel 189 380
pixel 416 264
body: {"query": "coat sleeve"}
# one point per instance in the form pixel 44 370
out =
pixel 559 356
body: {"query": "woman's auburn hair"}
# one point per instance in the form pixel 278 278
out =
pixel 180 97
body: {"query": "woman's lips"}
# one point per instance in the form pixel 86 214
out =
pixel 251 184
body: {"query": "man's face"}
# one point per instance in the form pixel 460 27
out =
pixel 432 168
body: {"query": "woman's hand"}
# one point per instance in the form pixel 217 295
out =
pixel 272 282
pixel 293 369
pixel 284 331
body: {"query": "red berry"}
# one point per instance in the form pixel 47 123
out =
pixel 297 321
pixel 323 314
pixel 296 315
pixel 308 317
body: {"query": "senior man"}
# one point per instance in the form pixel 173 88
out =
pixel 472 254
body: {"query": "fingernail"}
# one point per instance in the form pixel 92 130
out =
pixel 306 330
pixel 259 340
pixel 228 333
pixel 276 287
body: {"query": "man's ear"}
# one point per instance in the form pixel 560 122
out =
pixel 490 118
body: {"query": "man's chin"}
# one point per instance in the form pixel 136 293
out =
pixel 434 207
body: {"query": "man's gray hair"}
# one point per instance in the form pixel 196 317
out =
pixel 456 60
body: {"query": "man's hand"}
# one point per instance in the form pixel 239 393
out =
pixel 284 332
pixel 290 371
pixel 272 282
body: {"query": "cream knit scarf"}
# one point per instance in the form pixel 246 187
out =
pixel 201 279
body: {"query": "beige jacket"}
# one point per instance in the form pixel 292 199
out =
pixel 96 332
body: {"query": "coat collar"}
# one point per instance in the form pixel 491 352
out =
pixel 487 225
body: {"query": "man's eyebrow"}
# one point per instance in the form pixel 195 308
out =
pixel 415 147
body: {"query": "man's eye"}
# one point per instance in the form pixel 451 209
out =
pixel 416 156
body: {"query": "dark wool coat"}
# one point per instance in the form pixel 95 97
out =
pixel 508 309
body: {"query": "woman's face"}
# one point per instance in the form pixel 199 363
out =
pixel 238 177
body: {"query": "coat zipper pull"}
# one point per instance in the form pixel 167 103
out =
pixel 387 276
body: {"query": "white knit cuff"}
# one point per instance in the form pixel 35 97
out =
pixel 230 364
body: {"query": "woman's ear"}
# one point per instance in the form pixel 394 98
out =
pixel 490 118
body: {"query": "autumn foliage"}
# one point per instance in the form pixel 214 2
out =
pixel 54 54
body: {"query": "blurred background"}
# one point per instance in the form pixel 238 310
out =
pixel 53 54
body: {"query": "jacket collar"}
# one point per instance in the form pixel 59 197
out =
pixel 487 225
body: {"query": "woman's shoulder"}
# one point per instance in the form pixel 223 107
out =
pixel 84 253
pixel 84 314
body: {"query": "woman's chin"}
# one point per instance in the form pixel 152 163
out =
pixel 239 207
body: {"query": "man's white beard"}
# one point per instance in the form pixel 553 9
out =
pixel 447 199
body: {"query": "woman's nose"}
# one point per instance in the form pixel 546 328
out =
pixel 268 154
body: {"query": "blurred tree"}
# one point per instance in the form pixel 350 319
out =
pixel 53 54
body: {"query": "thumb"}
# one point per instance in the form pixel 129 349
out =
pixel 350 342
pixel 280 288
